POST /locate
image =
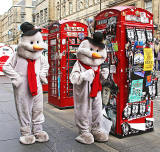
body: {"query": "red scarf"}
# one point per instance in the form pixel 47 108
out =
pixel 96 84
pixel 32 81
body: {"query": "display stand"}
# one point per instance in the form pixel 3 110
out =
pixel 129 40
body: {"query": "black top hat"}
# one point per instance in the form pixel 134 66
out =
pixel 97 40
pixel 28 29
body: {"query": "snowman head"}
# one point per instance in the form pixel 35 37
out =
pixel 92 51
pixel 31 44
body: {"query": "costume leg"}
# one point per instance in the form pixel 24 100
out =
pixel 97 130
pixel 23 106
pixel 38 119
pixel 37 113
pixel 97 112
pixel 82 110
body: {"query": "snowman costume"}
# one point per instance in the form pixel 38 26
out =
pixel 27 70
pixel 85 77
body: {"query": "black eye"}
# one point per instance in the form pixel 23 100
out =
pixel 37 41
pixel 31 42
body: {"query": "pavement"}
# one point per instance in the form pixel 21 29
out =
pixel 61 128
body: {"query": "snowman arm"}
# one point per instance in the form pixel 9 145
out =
pixel 9 71
pixel 44 69
pixel 75 76
pixel 8 67
pixel 78 75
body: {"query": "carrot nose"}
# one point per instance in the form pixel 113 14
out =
pixel 96 55
pixel 37 47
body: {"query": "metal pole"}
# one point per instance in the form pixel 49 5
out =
pixel 100 5
pixel 60 10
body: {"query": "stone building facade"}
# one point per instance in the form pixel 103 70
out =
pixel 20 11
pixel 80 10
pixel 43 12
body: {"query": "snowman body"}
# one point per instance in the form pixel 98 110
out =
pixel 88 110
pixel 29 107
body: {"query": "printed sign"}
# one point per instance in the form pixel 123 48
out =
pixel 149 80
pixel 148 59
pixel 141 74
pixel 115 47
pixel 5 53
pixel 136 90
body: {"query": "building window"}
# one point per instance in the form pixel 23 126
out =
pixel 132 4
pixel 22 18
pixel 148 5
pixel 37 18
pixel 41 16
pixel 80 5
pixel 45 15
pixel 58 13
pixel 58 10
pixel 33 18
pixel 86 3
pixel 96 1
pixel 64 10
pixel 70 8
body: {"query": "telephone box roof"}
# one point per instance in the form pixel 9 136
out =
pixel 60 22
pixel 122 8
pixel 119 9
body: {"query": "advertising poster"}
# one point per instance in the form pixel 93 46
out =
pixel 148 59
pixel 136 91
pixel 149 80
pixel 5 53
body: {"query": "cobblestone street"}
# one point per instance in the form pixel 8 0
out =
pixel 62 130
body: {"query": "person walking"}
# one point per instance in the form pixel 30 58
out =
pixel 157 54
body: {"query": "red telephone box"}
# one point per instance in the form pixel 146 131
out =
pixel 129 40
pixel 63 41
pixel 44 33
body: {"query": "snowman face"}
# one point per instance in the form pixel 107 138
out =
pixel 33 43
pixel 91 55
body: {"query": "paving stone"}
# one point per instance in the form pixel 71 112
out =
pixel 9 130
pixel 6 117
pixel 14 146
pixel 61 128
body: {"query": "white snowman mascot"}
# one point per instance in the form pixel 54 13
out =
pixel 86 78
pixel 27 70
